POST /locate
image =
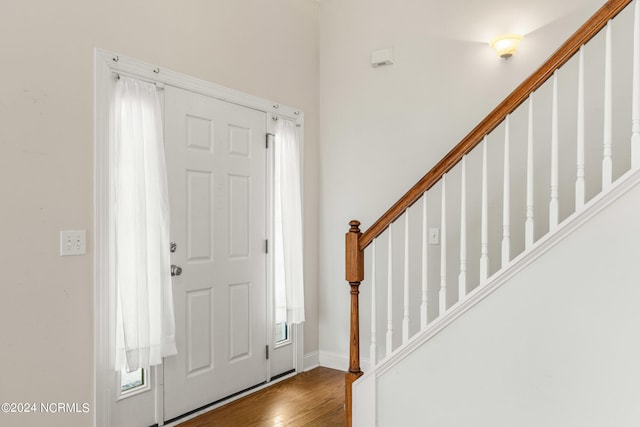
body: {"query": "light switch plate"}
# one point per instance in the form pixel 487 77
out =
pixel 434 236
pixel 73 242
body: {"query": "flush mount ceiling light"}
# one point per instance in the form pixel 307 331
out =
pixel 506 44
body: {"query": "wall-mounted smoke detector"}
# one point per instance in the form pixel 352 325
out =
pixel 382 57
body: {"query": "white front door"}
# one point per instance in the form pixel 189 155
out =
pixel 216 159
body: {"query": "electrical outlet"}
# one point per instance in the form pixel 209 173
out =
pixel 73 242
pixel 434 236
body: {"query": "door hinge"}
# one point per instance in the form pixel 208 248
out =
pixel 266 246
pixel 267 139
pixel 266 348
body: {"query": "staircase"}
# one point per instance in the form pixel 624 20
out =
pixel 557 156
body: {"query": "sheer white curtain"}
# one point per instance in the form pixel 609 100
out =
pixel 145 322
pixel 288 217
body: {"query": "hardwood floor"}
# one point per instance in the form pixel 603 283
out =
pixel 313 398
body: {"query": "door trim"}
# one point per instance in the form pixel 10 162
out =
pixel 106 64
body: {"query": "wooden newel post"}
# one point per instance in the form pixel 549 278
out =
pixel 354 275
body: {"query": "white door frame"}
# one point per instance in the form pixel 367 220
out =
pixel 106 65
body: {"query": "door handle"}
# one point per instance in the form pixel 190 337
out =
pixel 175 270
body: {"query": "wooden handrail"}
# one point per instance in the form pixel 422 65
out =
pixel 585 33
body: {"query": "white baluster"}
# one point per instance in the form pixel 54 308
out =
pixel 607 164
pixel 405 318
pixel 529 223
pixel 443 249
pixel 390 294
pixel 553 204
pixel 506 200
pixel 580 190
pixel 462 277
pixel 635 114
pixel 484 231
pixel 425 267
pixel 373 349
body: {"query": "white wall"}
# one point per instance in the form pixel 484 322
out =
pixel 556 345
pixel 383 128
pixel 267 49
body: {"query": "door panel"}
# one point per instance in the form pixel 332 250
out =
pixel 216 159
pixel 199 221
pixel 239 227
pixel 282 358
pixel 199 339
pixel 239 321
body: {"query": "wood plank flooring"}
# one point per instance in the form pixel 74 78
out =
pixel 313 398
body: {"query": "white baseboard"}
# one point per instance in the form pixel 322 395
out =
pixel 334 360
pixel 311 360
pixel 331 360
pixel 339 361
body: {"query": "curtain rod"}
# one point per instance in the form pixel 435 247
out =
pixel 117 75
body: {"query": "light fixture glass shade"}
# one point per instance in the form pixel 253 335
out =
pixel 506 44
